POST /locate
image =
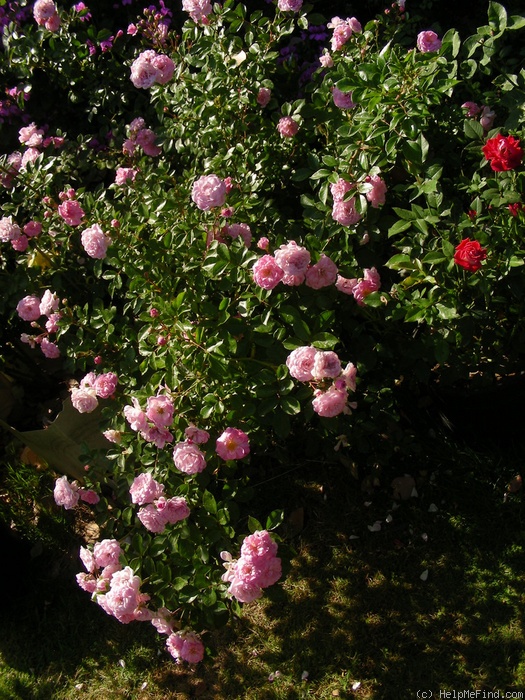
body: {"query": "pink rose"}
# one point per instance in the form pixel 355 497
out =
pixel 185 645
pixel 290 5
pixel 188 458
pixel 94 241
pixel 32 228
pixel 146 138
pixel 49 303
pixel 84 399
pixel 326 365
pixel 143 73
pixel 135 416
pixel 345 213
pixel 487 117
pixel 53 23
pixel 165 67
pixel 159 410
pixel 106 384
pixel 31 135
pixel 106 553
pixel 65 494
pixel 89 496
pixel 196 435
pixel 232 444
pixel 52 323
pixel 322 274
pixel 343 30
pixel 326 60
pixel 376 195
pixel 343 100
pixel 428 42
pixel 152 519
pixel 208 191
pixel 145 489
pixel 263 243
pixel 43 11
pixel 198 9
pixel 370 283
pixel 29 157
pixel 71 212
pixel 242 230
pixel 345 285
pixel 330 403
pixel 267 273
pixel 293 259
pixel 264 96
pixel 9 230
pixel 287 127
pixel 124 174
pixel 20 244
pixel 50 350
pixel 472 108
pixel 258 545
pixel 172 509
pixel 340 188
pixel 300 363
pixel 28 308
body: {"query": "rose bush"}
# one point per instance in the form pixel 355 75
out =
pixel 249 268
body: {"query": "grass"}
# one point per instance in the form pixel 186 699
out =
pixel 353 611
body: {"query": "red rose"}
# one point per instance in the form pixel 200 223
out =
pixel 503 152
pixel 469 255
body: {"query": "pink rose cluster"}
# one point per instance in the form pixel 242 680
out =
pixel 208 192
pixel 185 645
pixel 485 114
pixel 151 67
pixel 122 175
pixel 344 209
pixel 308 364
pixel 34 139
pixel 68 494
pixel 360 288
pixel 291 266
pixel 31 308
pixel 198 10
pixel 343 30
pixel 10 232
pixel 95 242
pixel 289 5
pixel 258 567
pixel 91 388
pixel 157 511
pixel 287 127
pixel 140 137
pixel 46 15
pixel 114 588
pixel 153 423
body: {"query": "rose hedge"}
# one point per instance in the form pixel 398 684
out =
pixel 228 253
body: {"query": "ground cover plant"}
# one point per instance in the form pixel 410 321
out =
pixel 252 235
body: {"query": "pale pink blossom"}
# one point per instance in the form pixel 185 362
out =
pixel 289 5
pixel 114 436
pixel 135 416
pixel 159 410
pixel 84 399
pixel 376 195
pixel 53 23
pixel 151 518
pixel 196 435
pixel 106 384
pixel 349 375
pixel 29 157
pixel 185 646
pixel 87 582
pixel 31 135
pixel 165 66
pixel 143 72
pixel 46 15
pixel 242 230
pixel 87 558
pixel 94 241
pixel 32 228
pixel 487 117
pixel 71 212
pixel 145 489
pixel 326 60
pixel 89 496
pixel 322 274
pixel 293 259
pixel 345 213
pixel 267 273
pixel 49 303
pixel 370 282
pixel 326 365
pixel 342 31
pixel 263 243
pixel 106 552
pixel 172 509
pixel 330 403
pixel 264 96
pixel 208 191
pixel 188 458
pixel 9 229
pixel 124 174
pixel 258 545
pixel 198 10
pixel 123 599
pixel 65 494
pixel 472 108
pixel 20 244
pixel 300 363
pixel 12 167
pixel 340 188
pixel 428 42
pixel 287 127
pixel 232 444
pixel 28 308
pixel 146 140
pixel 345 285
pixel 343 100
pixel 49 349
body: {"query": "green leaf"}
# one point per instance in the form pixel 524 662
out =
pixel 209 502
pixel 472 129
pixel 497 16
pixel 275 519
pixel 399 227
pixel 401 262
pixel 63 442
pixel 446 312
pixel 254 524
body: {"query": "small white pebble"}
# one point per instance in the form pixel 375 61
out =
pixel 414 493
pixel 375 527
pixel 389 518
pixel 304 675
pixel 424 575
pixel 424 537
pixel 356 685
pixel 122 663
pixel 79 686
pixel 432 508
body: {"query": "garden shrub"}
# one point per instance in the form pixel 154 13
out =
pixel 225 244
